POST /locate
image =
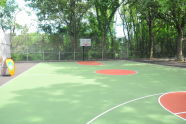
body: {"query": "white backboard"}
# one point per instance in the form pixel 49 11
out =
pixel 85 42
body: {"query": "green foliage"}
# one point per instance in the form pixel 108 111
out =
pixel 153 28
pixel 61 17
pixel 105 12
pixel 174 12
pixel 163 18
pixel 7 16
pixel 2 3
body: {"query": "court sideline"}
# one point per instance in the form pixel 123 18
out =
pixel 20 68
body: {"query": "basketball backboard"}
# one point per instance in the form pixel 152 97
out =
pixel 85 42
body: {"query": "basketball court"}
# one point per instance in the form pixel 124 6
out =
pixel 92 62
pixel 95 92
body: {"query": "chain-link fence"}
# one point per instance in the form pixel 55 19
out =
pixel 65 56
pixel 38 47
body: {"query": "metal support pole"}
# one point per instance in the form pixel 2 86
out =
pixel 127 49
pixel 115 55
pixel 59 56
pixel 43 55
pixel 27 55
pixel 74 55
pixel 83 53
pixel 102 55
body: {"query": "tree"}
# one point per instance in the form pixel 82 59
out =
pixel 7 16
pixel 151 9
pixel 105 12
pixel 59 15
pixel 164 20
pixel 2 3
pixel 148 10
pixel 136 16
pixel 174 12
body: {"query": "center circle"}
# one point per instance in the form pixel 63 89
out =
pixel 116 72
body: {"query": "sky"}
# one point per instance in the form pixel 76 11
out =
pixel 118 25
pixel 24 18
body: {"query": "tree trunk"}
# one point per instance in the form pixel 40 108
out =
pixel 112 43
pixel 103 40
pixel 151 39
pixel 179 56
pixel 151 45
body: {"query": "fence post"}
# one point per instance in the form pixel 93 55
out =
pixel 127 50
pixel 27 55
pixel 43 55
pixel 102 55
pixel 115 55
pixel 59 56
pixel 74 55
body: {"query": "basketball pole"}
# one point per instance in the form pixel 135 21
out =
pixel 83 53
pixel 85 43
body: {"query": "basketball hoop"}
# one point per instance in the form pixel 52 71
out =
pixel 85 42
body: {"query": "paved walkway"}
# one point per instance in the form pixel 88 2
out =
pixel 166 62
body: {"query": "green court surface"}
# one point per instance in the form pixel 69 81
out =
pixel 69 93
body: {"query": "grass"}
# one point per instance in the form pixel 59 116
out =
pixel 68 93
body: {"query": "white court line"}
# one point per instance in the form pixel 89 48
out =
pixel 18 76
pixel 180 113
pixel 111 109
pixel 169 110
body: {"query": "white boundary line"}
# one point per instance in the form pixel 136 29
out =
pixel 122 104
pixel 180 113
pixel 176 114
pixel 18 76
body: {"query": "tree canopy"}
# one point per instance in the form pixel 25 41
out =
pixel 152 28
pixel 8 15
pixel 2 3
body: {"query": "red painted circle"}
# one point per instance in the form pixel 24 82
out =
pixel 89 63
pixel 182 115
pixel 116 72
pixel 175 103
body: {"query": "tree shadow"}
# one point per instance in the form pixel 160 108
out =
pixel 61 103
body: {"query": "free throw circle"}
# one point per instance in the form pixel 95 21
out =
pixel 116 72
